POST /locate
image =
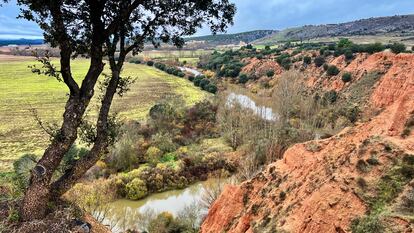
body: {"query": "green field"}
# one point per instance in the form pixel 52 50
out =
pixel 21 91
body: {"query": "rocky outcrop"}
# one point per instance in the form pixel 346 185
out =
pixel 316 187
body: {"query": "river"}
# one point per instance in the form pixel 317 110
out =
pixel 129 214
pixel 261 106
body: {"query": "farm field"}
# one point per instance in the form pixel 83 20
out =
pixel 21 91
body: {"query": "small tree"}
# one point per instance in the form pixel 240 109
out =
pixel 398 48
pixel 319 61
pixel 332 70
pixel 97 29
pixel 349 54
pixel 270 73
pixel 346 77
pixel 307 60
pixel 243 78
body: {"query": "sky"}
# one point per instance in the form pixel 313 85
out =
pixel 254 14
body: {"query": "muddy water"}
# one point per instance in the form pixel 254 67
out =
pixel 127 212
pixel 262 106
pixel 190 70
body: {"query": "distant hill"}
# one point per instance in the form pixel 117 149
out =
pixel 403 24
pixel 5 42
pixel 225 39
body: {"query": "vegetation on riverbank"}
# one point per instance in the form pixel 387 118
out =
pixel 19 130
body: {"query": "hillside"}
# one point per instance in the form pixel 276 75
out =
pixel 225 39
pixel 5 42
pixel 359 180
pixel 396 25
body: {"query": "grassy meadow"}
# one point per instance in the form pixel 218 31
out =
pixel 190 56
pixel 21 91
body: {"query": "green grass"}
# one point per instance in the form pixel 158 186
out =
pixel 20 91
pixel 159 54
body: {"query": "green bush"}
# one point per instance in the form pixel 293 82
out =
pixel 204 83
pixel 346 77
pixel 325 67
pixel 282 57
pixel 330 97
pixel 150 63
pixel 286 63
pixel 243 78
pixel 367 224
pixel 398 48
pixel 169 157
pixel 136 189
pixel 197 81
pixel 307 60
pixel 332 70
pixel 134 61
pixel 153 154
pixel 270 73
pixel 211 88
pixel 319 61
pixel 349 54
pixel 164 142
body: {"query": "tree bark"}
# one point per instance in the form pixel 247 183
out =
pixel 37 194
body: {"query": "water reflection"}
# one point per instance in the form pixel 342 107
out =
pixel 190 70
pixel 246 102
pixel 126 214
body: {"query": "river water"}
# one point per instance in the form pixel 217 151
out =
pixel 127 212
pixel 190 70
pixel 261 106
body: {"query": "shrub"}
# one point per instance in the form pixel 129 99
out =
pixel 330 97
pixel 136 189
pixel 367 224
pixel 282 57
pixel 191 78
pixel 181 74
pixel 123 156
pixel 362 183
pixel 150 63
pixel 197 81
pixel 211 88
pixel 362 166
pixel 373 48
pixel 319 61
pixel 286 63
pixel 135 61
pixel 204 83
pixel 349 54
pixel 153 154
pixel 270 73
pixel 307 60
pixel 282 195
pixel 164 142
pixel 332 70
pixel 346 77
pixel 267 47
pixel 373 161
pixel 243 78
pixel 398 48
pixel 325 67
pixel 169 157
